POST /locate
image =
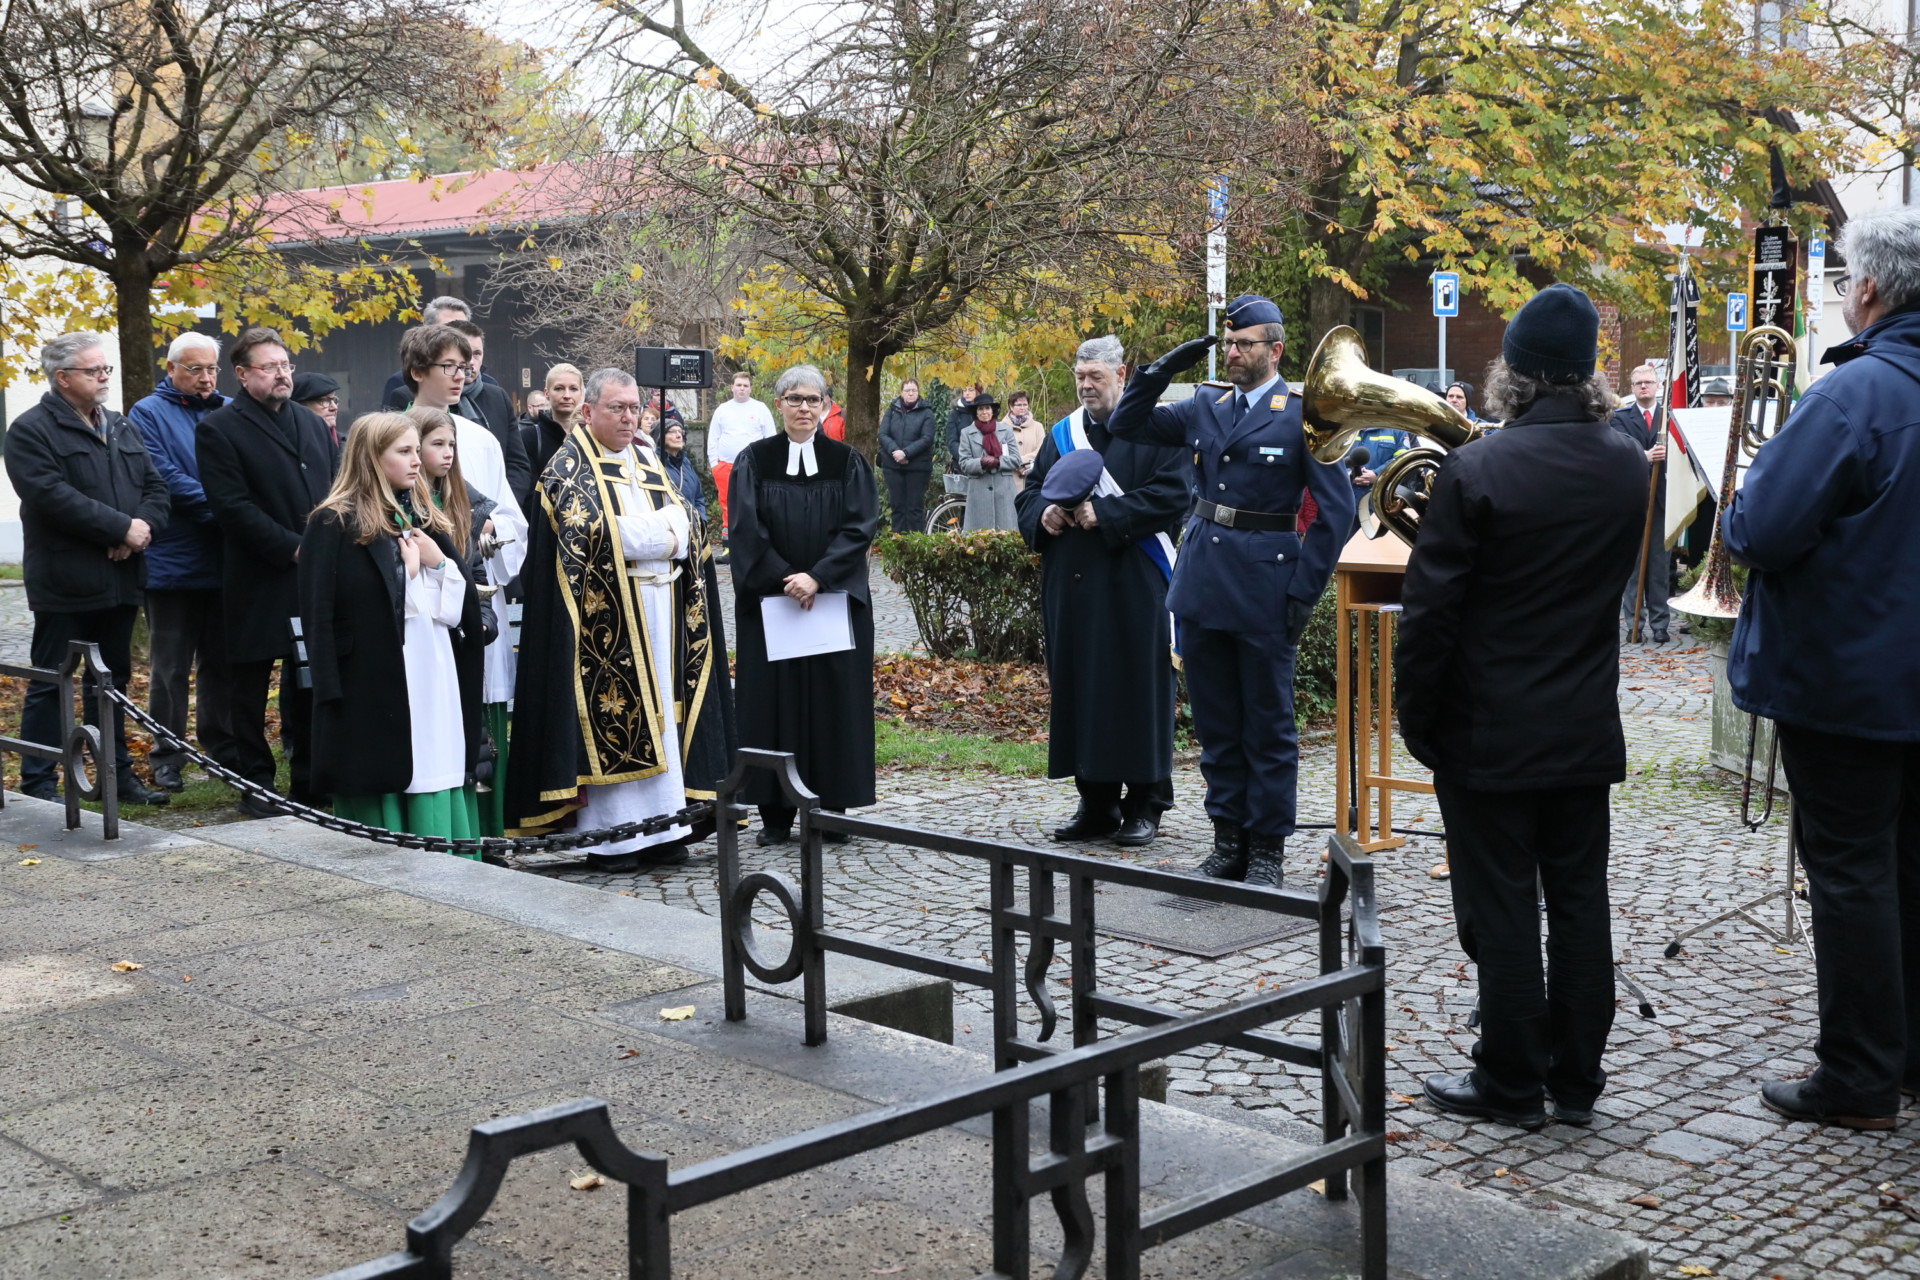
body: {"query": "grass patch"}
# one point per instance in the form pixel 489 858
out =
pixel 14 571
pixel 898 746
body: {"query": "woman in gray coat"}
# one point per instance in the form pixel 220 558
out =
pixel 990 460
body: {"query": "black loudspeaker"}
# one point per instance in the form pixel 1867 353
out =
pixel 673 367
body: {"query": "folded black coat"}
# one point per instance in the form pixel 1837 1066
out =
pixel 352 604
pixel 1508 661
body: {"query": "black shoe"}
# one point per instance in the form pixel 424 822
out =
pixel 255 807
pixel 167 777
pixel 1461 1096
pixel 1266 859
pixel 1659 637
pixel 834 837
pixel 1089 826
pixel 48 791
pixel 1135 832
pixel 1565 1114
pixel 771 836
pixel 1797 1100
pixel 134 791
pixel 662 855
pixel 1228 861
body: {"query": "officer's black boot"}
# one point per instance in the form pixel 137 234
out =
pixel 1228 861
pixel 1265 858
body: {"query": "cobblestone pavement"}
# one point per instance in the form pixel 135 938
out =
pixel 16 625
pixel 1681 1153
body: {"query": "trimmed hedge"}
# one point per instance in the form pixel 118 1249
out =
pixel 973 594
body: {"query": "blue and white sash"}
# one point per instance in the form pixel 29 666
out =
pixel 1070 433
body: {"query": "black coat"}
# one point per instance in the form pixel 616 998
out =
pixel 539 439
pixel 264 473
pixel 491 407
pixel 1631 423
pixel 959 414
pixel 80 491
pixel 352 604
pixel 1509 655
pixel 910 430
pixel 1109 639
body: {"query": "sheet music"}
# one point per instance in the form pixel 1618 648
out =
pixel 1705 431
pixel 793 632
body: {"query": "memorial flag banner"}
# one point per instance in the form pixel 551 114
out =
pixel 1776 262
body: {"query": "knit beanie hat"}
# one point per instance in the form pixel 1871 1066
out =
pixel 1556 336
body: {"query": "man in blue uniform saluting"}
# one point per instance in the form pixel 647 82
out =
pixel 1246 582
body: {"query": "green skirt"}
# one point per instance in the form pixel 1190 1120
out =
pixel 493 803
pixel 451 814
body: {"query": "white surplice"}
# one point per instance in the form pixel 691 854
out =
pixel 653 544
pixel 484 466
pixel 432 609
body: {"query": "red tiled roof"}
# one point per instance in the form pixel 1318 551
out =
pixel 446 202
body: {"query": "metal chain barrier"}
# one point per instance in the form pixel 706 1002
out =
pixel 499 846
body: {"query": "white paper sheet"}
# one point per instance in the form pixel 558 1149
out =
pixel 1705 431
pixel 793 632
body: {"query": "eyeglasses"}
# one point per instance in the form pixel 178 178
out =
pixel 1246 344
pixel 453 369
pixel 328 402
pixel 804 402
pixel 278 366
pixel 1841 284
pixel 199 370
pixel 91 371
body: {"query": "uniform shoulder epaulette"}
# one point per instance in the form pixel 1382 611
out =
pixel 1215 382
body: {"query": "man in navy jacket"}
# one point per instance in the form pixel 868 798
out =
pixel 1246 581
pixel 1827 646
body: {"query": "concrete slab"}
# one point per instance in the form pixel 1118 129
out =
pixel 43 825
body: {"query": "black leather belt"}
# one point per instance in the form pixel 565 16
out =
pixel 1259 521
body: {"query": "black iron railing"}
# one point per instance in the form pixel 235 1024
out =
pixel 79 742
pixel 1089 1134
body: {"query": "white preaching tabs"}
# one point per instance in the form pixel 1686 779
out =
pixel 793 632
pixel 800 455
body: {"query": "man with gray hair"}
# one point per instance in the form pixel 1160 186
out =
pixel 184 619
pixel 1824 647
pixel 622 707
pixel 90 504
pixel 1101 512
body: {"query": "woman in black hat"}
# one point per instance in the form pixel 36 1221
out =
pixel 990 460
pixel 321 394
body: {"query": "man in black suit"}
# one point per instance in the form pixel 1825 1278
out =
pixel 1508 672
pixel 1645 423
pixel 265 463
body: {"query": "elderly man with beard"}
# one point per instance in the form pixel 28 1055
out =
pixel 1247 581
pixel 265 463
pixel 1106 560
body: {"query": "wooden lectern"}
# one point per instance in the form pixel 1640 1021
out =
pixel 1367 583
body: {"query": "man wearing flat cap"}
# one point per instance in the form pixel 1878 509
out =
pixel 1246 582
pixel 1508 667
pixel 1101 512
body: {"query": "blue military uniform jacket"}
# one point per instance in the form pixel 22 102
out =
pixel 1241 579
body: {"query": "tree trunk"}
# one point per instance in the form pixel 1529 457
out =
pixel 133 313
pixel 862 402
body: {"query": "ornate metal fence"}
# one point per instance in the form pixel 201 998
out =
pixel 79 742
pixel 1092 1088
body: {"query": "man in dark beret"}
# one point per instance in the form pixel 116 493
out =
pixel 1247 581
pixel 1508 667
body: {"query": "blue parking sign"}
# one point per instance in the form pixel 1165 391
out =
pixel 1736 312
pixel 1446 293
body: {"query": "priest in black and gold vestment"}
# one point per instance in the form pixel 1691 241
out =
pixel 622 708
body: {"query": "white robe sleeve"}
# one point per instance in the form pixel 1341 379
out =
pixel 508 522
pixel 437 593
pixel 654 535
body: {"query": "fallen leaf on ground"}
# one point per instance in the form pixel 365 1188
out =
pixel 634 1053
pixel 29 862
pixel 1694 1269
pixel 1397 1135
pixel 1318 1186
pixel 186 977
pixel 1644 1201
pixel 26 848
pixel 587 1182
pixel 127 966
pixel 679 1013
pixel 1499 1173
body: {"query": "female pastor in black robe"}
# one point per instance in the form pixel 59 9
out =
pixel 819 708
pixel 1109 655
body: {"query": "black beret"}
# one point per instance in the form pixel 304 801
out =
pixel 308 387
pixel 1556 336
pixel 1250 309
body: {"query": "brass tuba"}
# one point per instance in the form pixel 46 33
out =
pixel 1341 397
pixel 1763 392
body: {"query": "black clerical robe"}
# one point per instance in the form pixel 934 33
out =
pixel 819 708
pixel 1109 661
pixel 586 705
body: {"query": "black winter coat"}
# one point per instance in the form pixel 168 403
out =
pixel 352 605
pixel 264 473
pixel 540 438
pixel 910 430
pixel 492 408
pixel 1509 651
pixel 1631 423
pixel 80 490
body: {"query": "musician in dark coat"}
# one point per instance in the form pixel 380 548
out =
pixel 803 513
pixel 1508 667
pixel 1645 423
pixel 1247 580
pixel 265 464
pixel 1825 646
pixel 1106 559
